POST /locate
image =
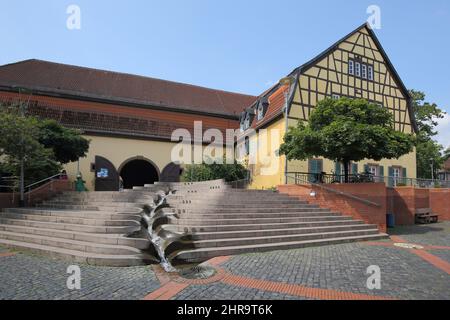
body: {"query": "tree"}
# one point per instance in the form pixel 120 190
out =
pixel 428 150
pixel 67 144
pixel 446 155
pixel 39 146
pixel 347 130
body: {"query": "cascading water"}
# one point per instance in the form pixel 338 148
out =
pixel 157 241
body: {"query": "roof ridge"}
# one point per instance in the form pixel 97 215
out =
pixel 127 74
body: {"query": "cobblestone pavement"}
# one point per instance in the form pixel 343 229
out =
pixel 29 277
pixel 328 272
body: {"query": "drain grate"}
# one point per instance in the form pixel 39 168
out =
pixel 197 272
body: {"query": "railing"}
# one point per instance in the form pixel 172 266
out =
pixel 298 179
pixel 324 178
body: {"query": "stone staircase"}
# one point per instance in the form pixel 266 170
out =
pixel 87 227
pixel 205 220
pixel 217 220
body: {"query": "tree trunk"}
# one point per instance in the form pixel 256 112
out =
pixel 346 165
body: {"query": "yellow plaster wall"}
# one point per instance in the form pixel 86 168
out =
pixel 118 151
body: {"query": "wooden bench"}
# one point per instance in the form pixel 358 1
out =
pixel 426 216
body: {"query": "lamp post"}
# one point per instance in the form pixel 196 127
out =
pixel 432 169
pixel 287 81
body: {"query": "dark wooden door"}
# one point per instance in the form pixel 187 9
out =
pixel 106 176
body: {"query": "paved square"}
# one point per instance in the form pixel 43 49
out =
pixel 328 272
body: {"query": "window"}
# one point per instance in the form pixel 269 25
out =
pixel 364 71
pixel 351 67
pixel 373 170
pixel 370 73
pixel 335 96
pixel 396 172
pixel 247 146
pixel 358 69
pixel 260 112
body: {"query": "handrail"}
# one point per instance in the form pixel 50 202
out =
pixel 345 194
pixel 43 180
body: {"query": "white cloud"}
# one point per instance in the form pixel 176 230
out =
pixel 443 129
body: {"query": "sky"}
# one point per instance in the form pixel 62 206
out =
pixel 240 46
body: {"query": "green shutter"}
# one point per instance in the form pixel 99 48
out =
pixel 390 179
pixel 354 168
pixel 404 176
pixel 381 171
pixel 366 168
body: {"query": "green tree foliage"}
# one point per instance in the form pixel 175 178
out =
pixel 43 145
pixel 67 144
pixel 347 130
pixel 428 150
pixel 446 154
pixel 215 171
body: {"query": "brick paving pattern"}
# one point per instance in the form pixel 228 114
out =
pixel 327 272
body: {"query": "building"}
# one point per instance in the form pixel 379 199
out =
pixel 357 67
pixel 129 119
pixel 444 174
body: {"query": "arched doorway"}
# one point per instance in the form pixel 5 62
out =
pixel 138 172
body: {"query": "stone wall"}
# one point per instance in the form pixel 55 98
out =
pixel 373 192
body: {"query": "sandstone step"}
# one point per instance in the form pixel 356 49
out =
pixel 69 244
pixel 114 260
pixel 189 228
pixel 280 238
pixel 223 235
pixel 112 239
pixel 243 205
pixel 101 204
pixel 92 221
pixel 203 254
pixel 77 214
pixel 209 222
pixel 72 227
pixel 248 216
pixel 244 211
pixel 88 207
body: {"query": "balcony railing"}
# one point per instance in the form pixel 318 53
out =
pixel 324 178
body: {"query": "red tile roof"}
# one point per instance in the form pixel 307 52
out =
pixel 61 79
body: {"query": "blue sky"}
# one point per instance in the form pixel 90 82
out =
pixel 242 46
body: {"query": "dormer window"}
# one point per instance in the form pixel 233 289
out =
pixel 260 112
pixel 262 108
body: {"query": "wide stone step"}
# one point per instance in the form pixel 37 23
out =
pixel 115 260
pixel 189 228
pixel 205 222
pixel 92 221
pixel 243 204
pixel 238 196
pixel 112 239
pixel 99 204
pixel 247 215
pixel 88 207
pixel 244 211
pixel 223 235
pixel 76 214
pixel 72 227
pixel 203 254
pixel 69 244
pixel 280 238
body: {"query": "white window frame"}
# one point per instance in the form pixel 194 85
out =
pixel 351 67
pixel 335 96
pixel 370 73
pixel 364 71
pixel 260 112
pixel 358 69
pixel 374 170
